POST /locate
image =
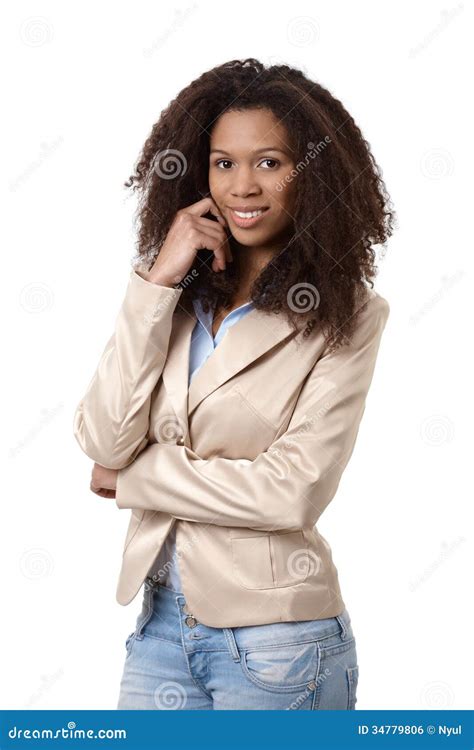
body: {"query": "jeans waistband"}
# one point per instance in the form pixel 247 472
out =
pixel 242 636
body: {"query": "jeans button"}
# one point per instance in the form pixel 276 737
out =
pixel 191 621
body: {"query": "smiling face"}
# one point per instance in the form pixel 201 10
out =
pixel 250 156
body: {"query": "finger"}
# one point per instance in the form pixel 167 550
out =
pixel 205 205
pixel 211 226
pixel 210 239
pixel 217 245
pixel 226 248
pixel 103 492
pixel 227 251
pixel 220 234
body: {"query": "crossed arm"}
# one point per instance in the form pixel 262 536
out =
pixel 286 487
pixel 289 485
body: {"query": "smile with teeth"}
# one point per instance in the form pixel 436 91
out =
pixel 247 219
pixel 249 214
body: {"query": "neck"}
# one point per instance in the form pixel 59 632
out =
pixel 249 262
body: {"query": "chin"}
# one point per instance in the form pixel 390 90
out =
pixel 251 236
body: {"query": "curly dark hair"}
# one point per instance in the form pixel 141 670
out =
pixel 342 207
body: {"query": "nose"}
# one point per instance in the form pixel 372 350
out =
pixel 245 182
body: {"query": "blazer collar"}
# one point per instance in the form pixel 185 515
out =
pixel 243 343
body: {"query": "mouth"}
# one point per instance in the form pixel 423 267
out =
pixel 246 219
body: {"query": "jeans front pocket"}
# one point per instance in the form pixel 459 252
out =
pixel 337 677
pixel 281 668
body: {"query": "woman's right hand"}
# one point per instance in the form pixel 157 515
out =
pixel 191 232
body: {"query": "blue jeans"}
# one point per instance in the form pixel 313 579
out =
pixel 175 662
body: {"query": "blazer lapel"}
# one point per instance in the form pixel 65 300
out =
pixel 244 342
pixel 176 369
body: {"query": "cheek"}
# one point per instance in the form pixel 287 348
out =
pixel 287 197
pixel 284 202
pixel 282 189
pixel 217 185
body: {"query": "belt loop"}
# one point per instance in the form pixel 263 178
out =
pixel 231 642
pixel 147 609
pixel 342 625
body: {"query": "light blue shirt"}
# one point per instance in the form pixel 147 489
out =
pixel 165 567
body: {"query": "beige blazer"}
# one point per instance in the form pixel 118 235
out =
pixel 243 462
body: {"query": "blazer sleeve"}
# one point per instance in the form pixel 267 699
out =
pixel 111 421
pixel 289 485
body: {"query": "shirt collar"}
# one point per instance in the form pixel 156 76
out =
pixel 206 318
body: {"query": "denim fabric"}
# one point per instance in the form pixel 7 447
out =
pixel 173 662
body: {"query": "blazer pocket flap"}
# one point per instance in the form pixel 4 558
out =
pixel 271 560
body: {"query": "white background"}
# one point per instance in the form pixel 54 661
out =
pixel 83 85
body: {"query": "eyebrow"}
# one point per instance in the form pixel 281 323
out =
pixel 257 151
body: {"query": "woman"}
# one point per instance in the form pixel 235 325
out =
pixel 226 404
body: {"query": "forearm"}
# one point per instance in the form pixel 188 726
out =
pixel 280 489
pixel 289 485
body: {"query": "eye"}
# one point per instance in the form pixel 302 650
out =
pixel 221 161
pixel 272 160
